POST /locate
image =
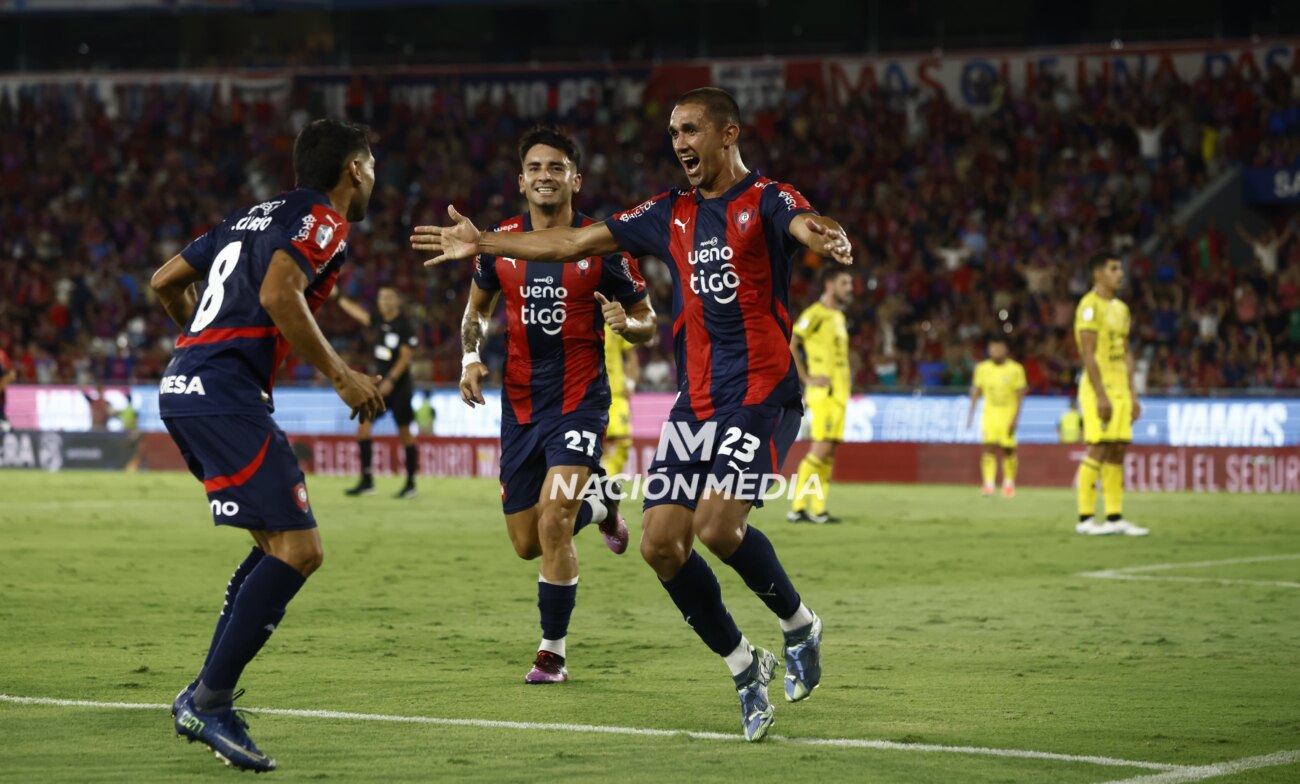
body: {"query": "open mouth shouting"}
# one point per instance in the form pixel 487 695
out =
pixel 691 163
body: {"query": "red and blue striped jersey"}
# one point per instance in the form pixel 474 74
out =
pixel 730 259
pixel 227 355
pixel 555 333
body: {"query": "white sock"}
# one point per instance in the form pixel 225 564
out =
pixel 554 646
pixel 598 509
pixel 739 660
pixel 801 618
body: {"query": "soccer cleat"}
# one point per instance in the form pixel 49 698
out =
pixel 1008 490
pixel 803 660
pixel 365 487
pixel 824 518
pixel 547 668
pixel 1129 529
pixel 185 694
pixel 613 527
pixel 1091 527
pixel 223 731
pixel 797 517
pixel 987 491
pixel 756 714
pixel 408 492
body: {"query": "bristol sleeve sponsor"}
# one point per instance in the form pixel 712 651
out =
pixel 643 230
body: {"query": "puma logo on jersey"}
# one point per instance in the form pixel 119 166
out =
pixel 180 385
pixel 681 224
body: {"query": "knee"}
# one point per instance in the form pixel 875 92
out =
pixel 719 533
pixel 526 545
pixel 664 554
pixel 304 559
pixel 555 525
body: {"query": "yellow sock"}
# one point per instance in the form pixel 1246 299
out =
pixel 616 458
pixel 1112 488
pixel 807 467
pixel 989 468
pixel 1088 472
pixel 824 474
pixel 1009 465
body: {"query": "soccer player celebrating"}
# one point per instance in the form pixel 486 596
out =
pixel 394 347
pixel 728 241
pixel 1107 398
pixel 557 395
pixel 624 370
pixel 821 332
pixel 1000 380
pixel 268 268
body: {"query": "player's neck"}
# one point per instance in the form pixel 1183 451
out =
pixel 541 219
pixel 829 302
pixel 1104 293
pixel 731 174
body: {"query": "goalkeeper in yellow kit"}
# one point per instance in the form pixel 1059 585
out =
pixel 822 334
pixel 1000 380
pixel 624 371
pixel 1107 398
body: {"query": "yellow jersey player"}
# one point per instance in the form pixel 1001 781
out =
pixel 1000 380
pixel 624 371
pixel 1107 399
pixel 824 337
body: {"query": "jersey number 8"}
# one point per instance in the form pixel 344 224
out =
pixel 215 293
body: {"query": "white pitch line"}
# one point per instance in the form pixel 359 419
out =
pixel 1202 772
pixel 849 743
pixel 1138 572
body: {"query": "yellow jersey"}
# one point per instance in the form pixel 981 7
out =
pixel 1000 385
pixel 825 337
pixel 615 350
pixel 1110 320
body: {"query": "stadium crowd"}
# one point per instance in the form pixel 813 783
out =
pixel 967 223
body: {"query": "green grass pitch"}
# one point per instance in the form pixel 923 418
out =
pixel 950 620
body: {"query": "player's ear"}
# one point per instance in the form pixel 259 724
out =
pixel 577 182
pixel 521 184
pixel 730 134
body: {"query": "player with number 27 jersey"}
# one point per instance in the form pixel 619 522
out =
pixel 228 354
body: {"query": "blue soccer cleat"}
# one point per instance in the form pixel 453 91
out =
pixel 184 695
pixel 756 714
pixel 803 660
pixel 223 731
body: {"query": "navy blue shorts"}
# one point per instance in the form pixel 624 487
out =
pixel 248 468
pixel 529 451
pixel 734 450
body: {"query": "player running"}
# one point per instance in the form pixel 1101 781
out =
pixel 1107 398
pixel 268 268
pixel 394 347
pixel 624 371
pixel 822 334
pixel 1000 380
pixel 557 395
pixel 728 241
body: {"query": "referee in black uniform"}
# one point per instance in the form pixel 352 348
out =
pixel 394 346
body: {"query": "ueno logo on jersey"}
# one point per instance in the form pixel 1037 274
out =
pixel 550 315
pixel 721 284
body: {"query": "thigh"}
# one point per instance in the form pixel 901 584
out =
pixel 1120 427
pixel 523 467
pixel 620 419
pixel 563 489
pixel 671 524
pixel 399 403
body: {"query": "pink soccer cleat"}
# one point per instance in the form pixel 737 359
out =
pixel 547 668
pixel 613 528
pixel 1008 490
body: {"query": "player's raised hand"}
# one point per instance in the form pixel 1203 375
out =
pixel 615 315
pixel 471 383
pixel 457 241
pixel 835 243
pixel 361 394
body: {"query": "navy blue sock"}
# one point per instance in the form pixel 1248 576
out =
pixel 696 593
pixel 367 454
pixel 756 562
pixel 412 463
pixel 259 606
pixel 555 603
pixel 232 590
pixel 584 517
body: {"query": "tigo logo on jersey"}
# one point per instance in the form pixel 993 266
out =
pixel 550 316
pixel 300 497
pixel 715 284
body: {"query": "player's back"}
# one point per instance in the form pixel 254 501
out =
pixel 227 355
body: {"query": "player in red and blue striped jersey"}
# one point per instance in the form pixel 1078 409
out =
pixel 555 406
pixel 268 268
pixel 728 241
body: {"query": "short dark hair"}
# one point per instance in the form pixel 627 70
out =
pixel 832 271
pixel 998 337
pixel 1098 261
pixel 322 149
pixel 551 137
pixel 718 104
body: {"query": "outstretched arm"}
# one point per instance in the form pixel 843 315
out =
pixel 823 236
pixel 463 240
pixel 174 285
pixel 354 309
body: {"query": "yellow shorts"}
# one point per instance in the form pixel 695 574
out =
pixel 1120 427
pixel 620 418
pixel 827 419
pixel 996 429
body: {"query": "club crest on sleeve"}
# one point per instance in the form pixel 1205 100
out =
pixel 300 497
pixel 583 266
pixel 323 235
